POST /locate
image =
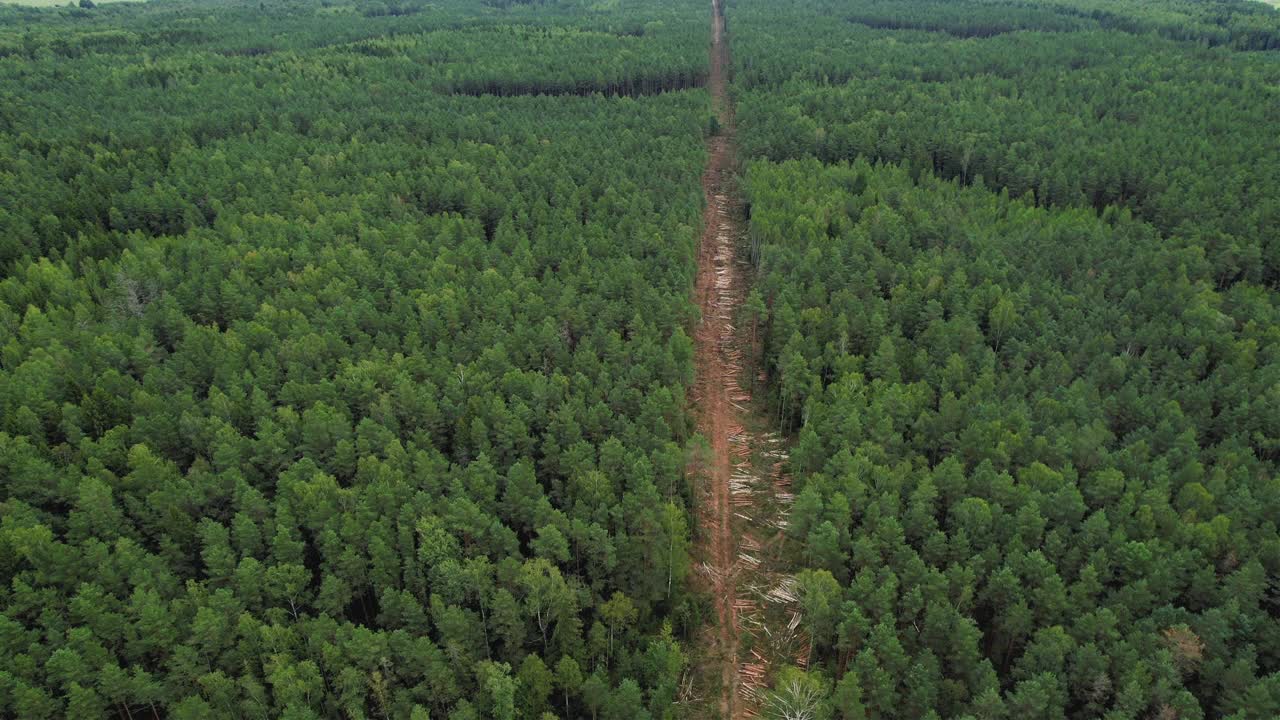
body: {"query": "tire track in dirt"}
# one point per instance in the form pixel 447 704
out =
pixel 743 498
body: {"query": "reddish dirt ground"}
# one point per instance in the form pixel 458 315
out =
pixel 744 492
pixel 718 293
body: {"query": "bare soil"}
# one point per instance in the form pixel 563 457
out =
pixel 743 496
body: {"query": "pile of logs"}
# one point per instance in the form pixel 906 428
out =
pixel 784 592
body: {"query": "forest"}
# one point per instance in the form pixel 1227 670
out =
pixel 1018 268
pixel 334 381
pixel 349 355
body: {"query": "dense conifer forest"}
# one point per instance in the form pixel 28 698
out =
pixel 335 382
pixel 1021 264
pixel 349 359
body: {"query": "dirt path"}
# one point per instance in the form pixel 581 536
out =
pixel 744 498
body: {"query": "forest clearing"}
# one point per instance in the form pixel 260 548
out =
pixel 743 487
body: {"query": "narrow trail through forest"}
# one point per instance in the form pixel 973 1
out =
pixel 743 491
